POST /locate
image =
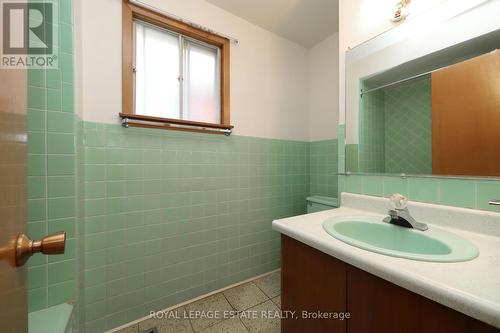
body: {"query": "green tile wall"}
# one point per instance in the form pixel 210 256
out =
pixel 80 229
pixel 352 157
pixel 372 133
pixel 408 127
pixel 51 171
pixel 395 130
pixel 323 168
pixel 170 216
pixel 468 193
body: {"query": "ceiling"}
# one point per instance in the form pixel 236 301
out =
pixel 306 22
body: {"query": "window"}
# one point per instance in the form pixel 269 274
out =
pixel 175 76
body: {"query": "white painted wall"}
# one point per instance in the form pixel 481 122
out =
pixel 323 89
pixel 269 74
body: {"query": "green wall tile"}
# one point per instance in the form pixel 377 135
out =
pixel 53 78
pixel 61 186
pixel 37 299
pixel 61 208
pixel 94 138
pixel 394 185
pixel 36 120
pixel 37 277
pixel 66 37
pixel 95 172
pixel 486 191
pixel 36 187
pixel 36 209
pixel 66 64
pixel 67 97
pixel 94 190
pixel 370 153
pixel 36 77
pixel 351 158
pixel 354 184
pixel 52 154
pixel 323 166
pixel 54 99
pixel 67 224
pixel 36 143
pixel 95 242
pixel 61 165
pixel 60 143
pixel 95 294
pixel 94 207
pixel 60 293
pixel 424 189
pixel 457 193
pixel 60 122
pixel 36 230
pixel 37 165
pixel 66 12
pixel 61 271
pixel 95 224
pixel 115 189
pixel 96 155
pixel 373 185
pixel 36 98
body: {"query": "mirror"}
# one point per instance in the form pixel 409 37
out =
pixel 428 104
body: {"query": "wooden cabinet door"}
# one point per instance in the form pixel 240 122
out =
pixel 377 305
pixel 466 118
pixel 311 281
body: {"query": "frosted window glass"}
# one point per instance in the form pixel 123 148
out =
pixel 201 83
pixel 157 88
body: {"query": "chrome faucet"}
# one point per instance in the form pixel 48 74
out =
pixel 400 215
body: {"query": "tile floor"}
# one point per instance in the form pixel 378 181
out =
pixel 253 299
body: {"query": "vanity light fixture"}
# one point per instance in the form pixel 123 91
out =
pixel 375 10
pixel 402 10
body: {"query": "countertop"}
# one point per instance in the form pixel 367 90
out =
pixel 471 287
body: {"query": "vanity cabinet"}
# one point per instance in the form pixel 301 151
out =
pixel 313 281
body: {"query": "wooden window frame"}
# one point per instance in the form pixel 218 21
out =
pixel 133 12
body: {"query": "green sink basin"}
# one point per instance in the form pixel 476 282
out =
pixel 370 233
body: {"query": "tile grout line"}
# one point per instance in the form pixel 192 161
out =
pixel 46 117
pixel 276 271
pixel 227 300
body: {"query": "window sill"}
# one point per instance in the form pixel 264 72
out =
pixel 134 120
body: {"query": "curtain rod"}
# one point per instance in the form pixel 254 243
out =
pixel 178 18
pixel 362 92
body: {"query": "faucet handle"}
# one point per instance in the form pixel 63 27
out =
pixel 393 213
pixel 398 201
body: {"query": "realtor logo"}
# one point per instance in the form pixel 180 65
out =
pixel 28 31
